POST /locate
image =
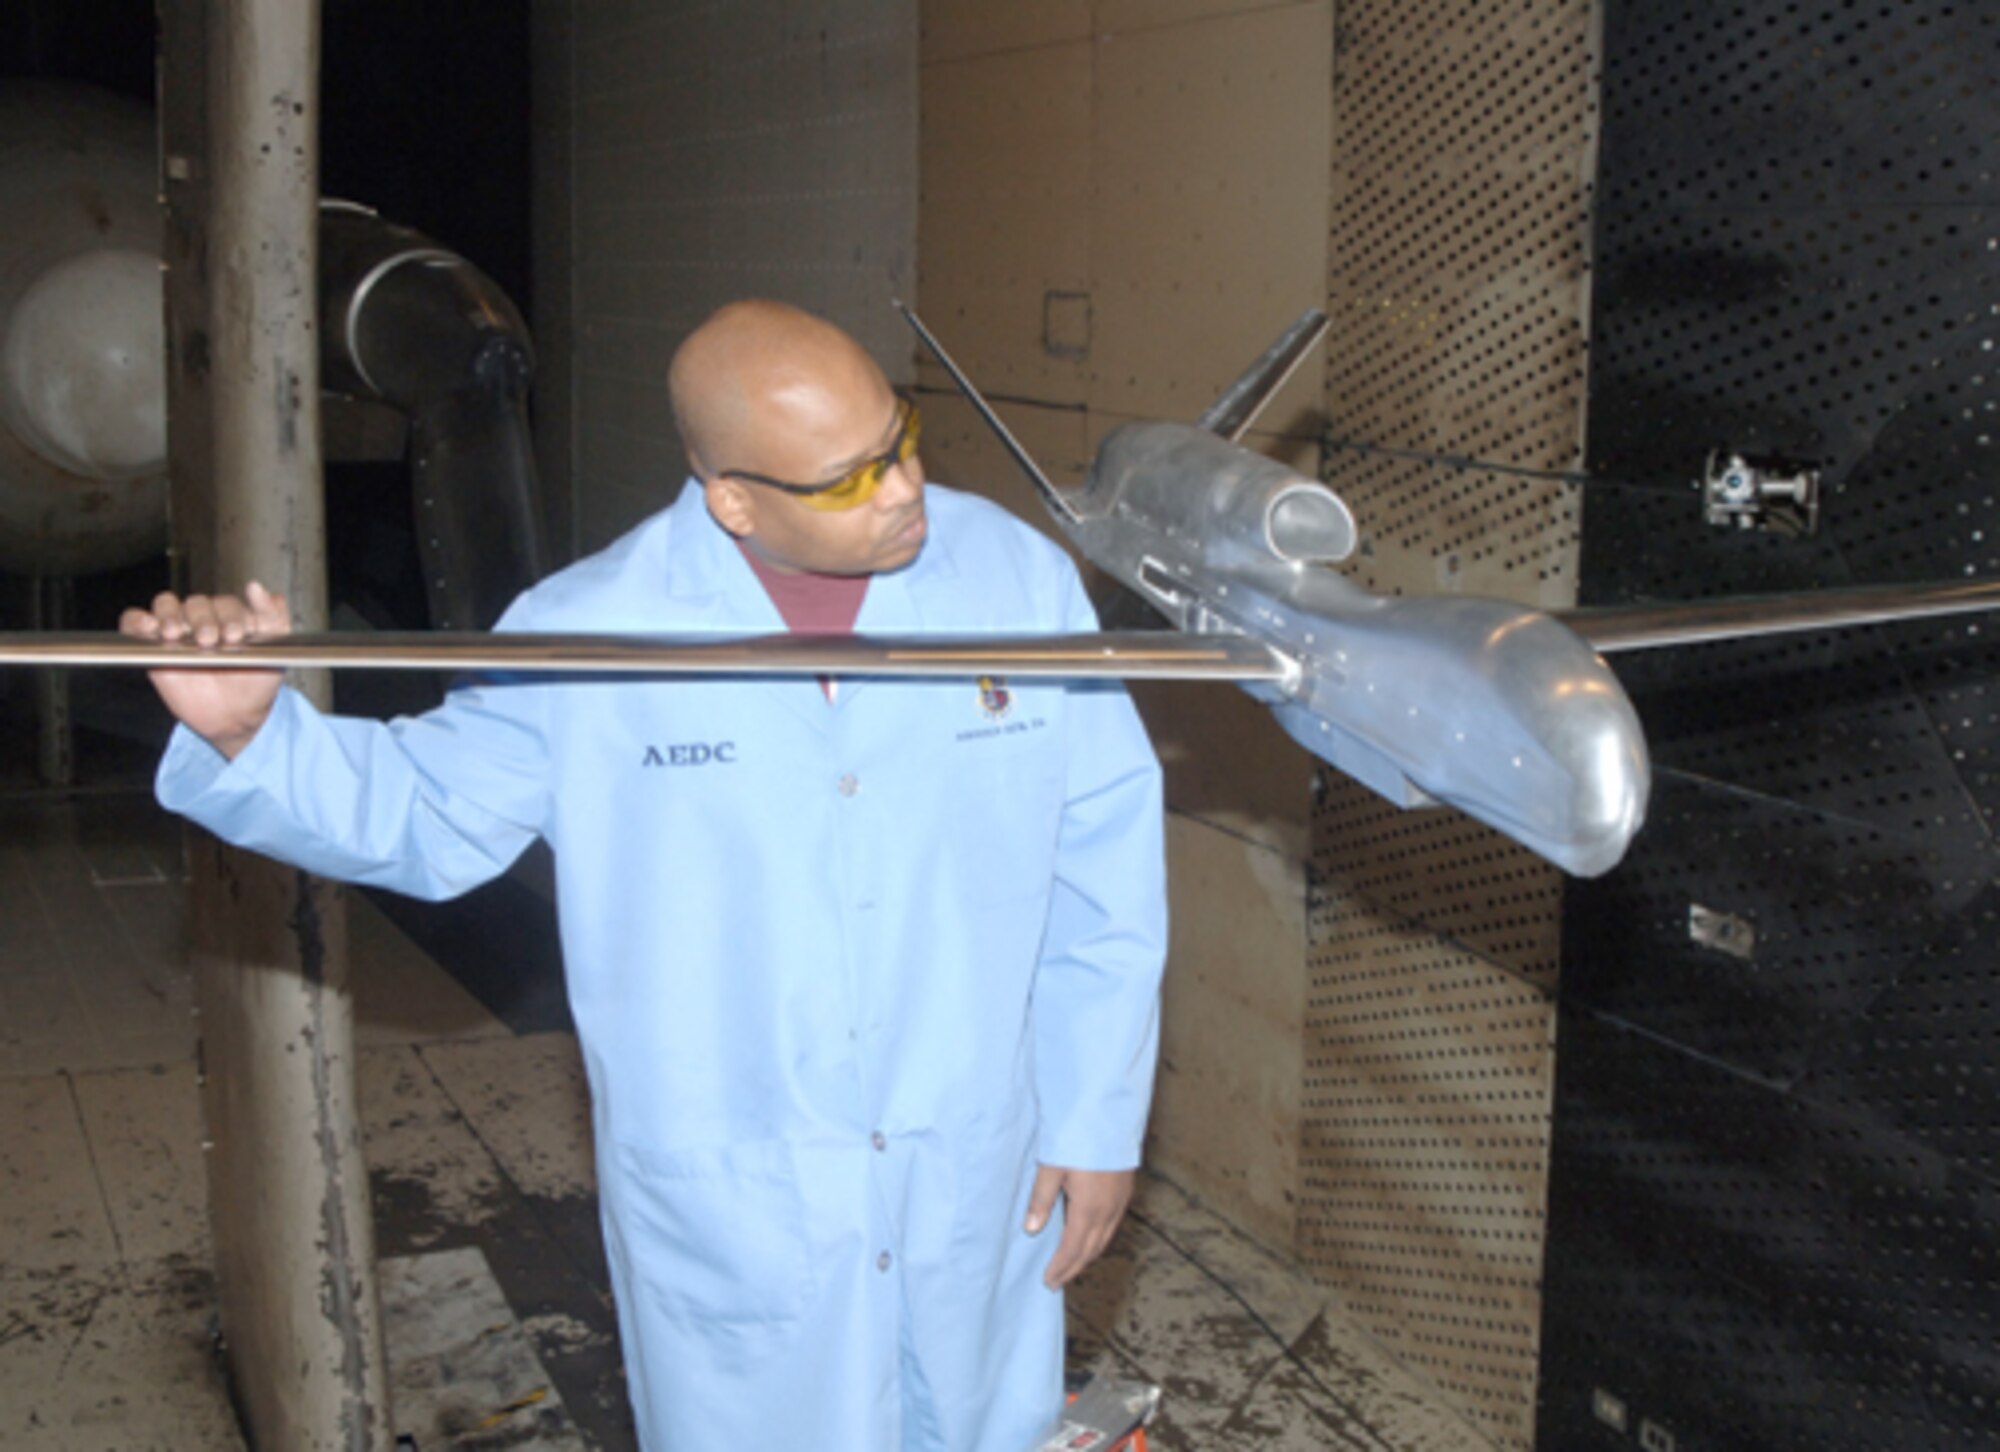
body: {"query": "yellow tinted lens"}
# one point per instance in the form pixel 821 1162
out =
pixel 853 490
pixel 860 486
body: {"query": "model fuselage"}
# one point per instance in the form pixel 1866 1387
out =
pixel 1495 708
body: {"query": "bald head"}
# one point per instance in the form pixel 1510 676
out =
pixel 766 393
pixel 759 370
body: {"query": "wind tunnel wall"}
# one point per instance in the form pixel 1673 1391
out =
pixel 688 154
pixel 1458 286
pixel 1775 1214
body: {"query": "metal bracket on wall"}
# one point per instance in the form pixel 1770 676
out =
pixel 1066 324
pixel 1738 492
pixel 1724 932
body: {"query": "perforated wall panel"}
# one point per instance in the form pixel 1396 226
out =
pixel 1426 1144
pixel 1464 135
pixel 1773 1216
pixel 1460 880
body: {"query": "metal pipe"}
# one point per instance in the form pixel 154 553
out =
pixel 423 329
pixel 1133 655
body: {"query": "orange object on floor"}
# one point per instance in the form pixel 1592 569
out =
pixel 1134 1443
pixel 1127 1403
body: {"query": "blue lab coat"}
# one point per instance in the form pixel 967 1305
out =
pixel 842 974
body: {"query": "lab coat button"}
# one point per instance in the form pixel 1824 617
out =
pixel 879 1140
pixel 882 1261
pixel 849 785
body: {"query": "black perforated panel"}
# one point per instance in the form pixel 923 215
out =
pixel 1775 1190
pixel 1792 248
pixel 1749 1271
pixel 1841 912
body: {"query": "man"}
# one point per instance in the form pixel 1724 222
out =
pixel 864 972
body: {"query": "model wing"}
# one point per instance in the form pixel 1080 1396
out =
pixel 1126 655
pixel 1739 617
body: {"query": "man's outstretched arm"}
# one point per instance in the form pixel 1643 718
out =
pixel 430 807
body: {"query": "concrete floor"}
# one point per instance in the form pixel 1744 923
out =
pixel 479 1149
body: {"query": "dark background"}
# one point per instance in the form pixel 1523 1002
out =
pixel 425 117
pixel 424 106
pixel 1774 1219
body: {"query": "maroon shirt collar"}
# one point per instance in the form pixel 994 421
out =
pixel 809 604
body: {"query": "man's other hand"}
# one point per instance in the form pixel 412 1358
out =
pixel 225 707
pixel 1095 1202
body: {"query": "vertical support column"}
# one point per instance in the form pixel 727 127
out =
pixel 288 1192
pixel 55 757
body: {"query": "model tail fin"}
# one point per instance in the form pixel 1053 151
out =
pixel 1053 497
pixel 1239 404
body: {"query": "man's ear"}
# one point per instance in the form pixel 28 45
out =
pixel 730 503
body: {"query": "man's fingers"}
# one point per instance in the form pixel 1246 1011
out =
pixel 199 621
pixel 1094 1203
pixel 171 613
pixel 1075 1252
pixel 1068 1259
pixel 1042 1199
pixel 1085 1238
pixel 142 623
pixel 270 612
pixel 211 620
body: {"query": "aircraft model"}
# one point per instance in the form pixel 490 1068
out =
pixel 1506 712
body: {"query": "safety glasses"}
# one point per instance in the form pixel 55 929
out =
pixel 858 485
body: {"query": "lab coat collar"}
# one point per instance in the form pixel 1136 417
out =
pixel 908 601
pixel 710 585
pixel 713 588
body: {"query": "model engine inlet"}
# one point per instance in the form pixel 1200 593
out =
pixel 1308 524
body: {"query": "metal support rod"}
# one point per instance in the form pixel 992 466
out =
pixel 1130 655
pixel 288 1192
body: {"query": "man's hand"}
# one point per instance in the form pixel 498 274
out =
pixel 1096 1201
pixel 224 707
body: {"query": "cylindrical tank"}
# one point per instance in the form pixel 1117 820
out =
pixel 82 366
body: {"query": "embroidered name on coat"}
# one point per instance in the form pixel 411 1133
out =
pixel 694 753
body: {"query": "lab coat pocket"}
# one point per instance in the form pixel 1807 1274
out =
pixel 718 1237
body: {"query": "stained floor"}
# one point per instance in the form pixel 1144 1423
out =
pixel 478 1142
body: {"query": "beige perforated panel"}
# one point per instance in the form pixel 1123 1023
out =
pixel 1425 1152
pixel 1455 877
pixel 1464 143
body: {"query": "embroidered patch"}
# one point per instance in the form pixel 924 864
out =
pixel 994 697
